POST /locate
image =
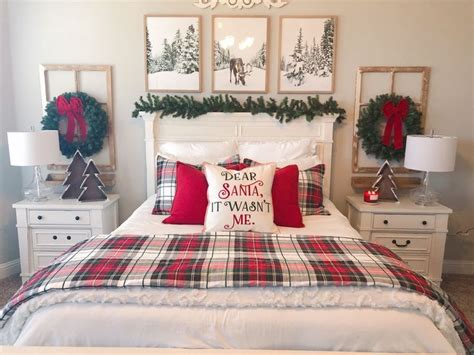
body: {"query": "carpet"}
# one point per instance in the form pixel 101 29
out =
pixel 459 287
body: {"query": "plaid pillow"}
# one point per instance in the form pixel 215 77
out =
pixel 310 189
pixel 166 181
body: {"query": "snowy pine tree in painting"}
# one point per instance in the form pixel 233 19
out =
pixel 221 57
pixel 176 47
pixel 260 59
pixel 296 66
pixel 189 58
pixel 173 49
pixel 306 63
pixel 149 60
pixel 327 48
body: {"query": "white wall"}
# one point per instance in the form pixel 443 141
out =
pixel 10 177
pixel 406 32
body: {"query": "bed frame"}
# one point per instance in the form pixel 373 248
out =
pixel 241 126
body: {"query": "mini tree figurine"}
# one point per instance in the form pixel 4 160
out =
pixel 74 177
pixel 92 185
pixel 384 184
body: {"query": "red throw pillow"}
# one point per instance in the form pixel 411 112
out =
pixel 286 209
pixel 190 200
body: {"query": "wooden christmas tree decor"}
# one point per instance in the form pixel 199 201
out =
pixel 384 184
pixel 74 178
pixel 92 186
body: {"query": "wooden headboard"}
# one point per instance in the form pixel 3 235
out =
pixel 241 126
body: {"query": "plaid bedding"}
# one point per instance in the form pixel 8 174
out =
pixel 166 181
pixel 310 189
pixel 238 259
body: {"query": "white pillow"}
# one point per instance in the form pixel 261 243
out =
pixel 198 152
pixel 239 200
pixel 303 163
pixel 275 151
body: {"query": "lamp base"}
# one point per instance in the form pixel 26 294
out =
pixel 424 195
pixel 37 191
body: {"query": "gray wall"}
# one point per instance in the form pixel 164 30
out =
pixel 429 33
pixel 10 177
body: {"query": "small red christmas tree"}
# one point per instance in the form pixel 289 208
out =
pixel 384 184
pixel 92 185
pixel 75 177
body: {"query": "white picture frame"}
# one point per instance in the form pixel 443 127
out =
pixel 173 56
pixel 240 50
pixel 307 54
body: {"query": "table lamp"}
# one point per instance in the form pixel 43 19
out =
pixel 34 149
pixel 429 154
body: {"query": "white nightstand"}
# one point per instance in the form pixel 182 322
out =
pixel 417 234
pixel 46 229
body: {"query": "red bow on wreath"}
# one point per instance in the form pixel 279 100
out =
pixel 395 115
pixel 74 113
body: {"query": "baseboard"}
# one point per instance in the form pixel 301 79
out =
pixel 9 268
pixel 458 267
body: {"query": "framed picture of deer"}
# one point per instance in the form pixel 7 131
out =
pixel 240 53
pixel 307 54
pixel 173 53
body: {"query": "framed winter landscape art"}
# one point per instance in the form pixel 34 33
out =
pixel 240 50
pixel 173 53
pixel 307 54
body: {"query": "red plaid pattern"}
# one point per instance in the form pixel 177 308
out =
pixel 166 181
pixel 310 189
pixel 239 259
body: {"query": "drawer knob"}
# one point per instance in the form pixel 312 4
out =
pixel 40 217
pixel 385 221
pixel 407 243
pixel 68 237
pixel 424 223
pixel 77 218
pixel 55 237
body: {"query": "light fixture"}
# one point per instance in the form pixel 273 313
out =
pixel 429 154
pixel 34 149
pixel 239 4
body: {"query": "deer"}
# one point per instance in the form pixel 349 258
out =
pixel 237 69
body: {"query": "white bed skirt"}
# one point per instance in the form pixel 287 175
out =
pixel 349 319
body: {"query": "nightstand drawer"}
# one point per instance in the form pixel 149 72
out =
pixel 42 259
pixel 419 263
pixel 400 242
pixel 47 238
pixel 59 217
pixel 404 221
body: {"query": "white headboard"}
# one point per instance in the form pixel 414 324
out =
pixel 241 126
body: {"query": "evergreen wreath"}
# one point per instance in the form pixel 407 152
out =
pixel 368 126
pixel 80 109
pixel 284 111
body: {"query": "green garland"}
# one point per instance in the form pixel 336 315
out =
pixel 368 127
pixel 96 119
pixel 284 111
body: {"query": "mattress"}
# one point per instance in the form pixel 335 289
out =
pixel 338 319
pixel 142 221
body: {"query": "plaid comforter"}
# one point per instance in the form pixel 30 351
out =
pixel 231 260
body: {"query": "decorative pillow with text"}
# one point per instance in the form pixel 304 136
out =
pixel 240 200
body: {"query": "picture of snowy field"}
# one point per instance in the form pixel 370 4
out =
pixel 240 54
pixel 307 55
pixel 173 53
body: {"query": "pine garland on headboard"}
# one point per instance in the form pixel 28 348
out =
pixel 284 111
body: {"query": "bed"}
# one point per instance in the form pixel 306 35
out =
pixel 375 319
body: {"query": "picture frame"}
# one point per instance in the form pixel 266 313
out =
pixel 240 50
pixel 307 65
pixel 173 55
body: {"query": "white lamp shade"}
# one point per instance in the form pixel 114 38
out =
pixel 33 148
pixel 430 153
